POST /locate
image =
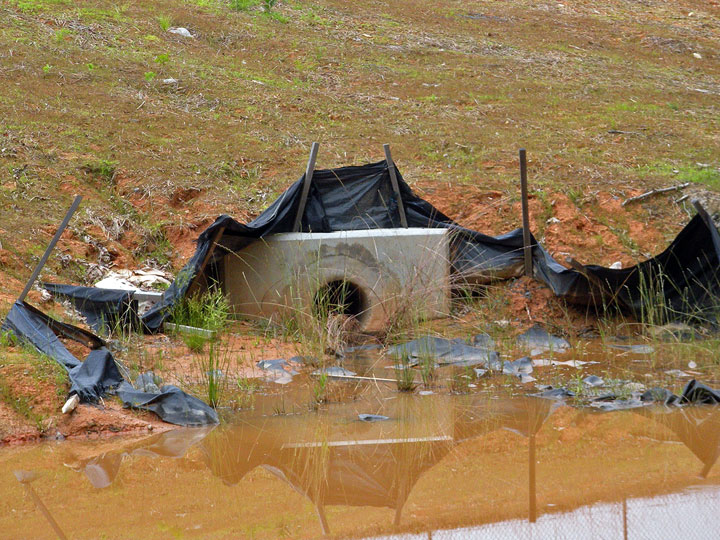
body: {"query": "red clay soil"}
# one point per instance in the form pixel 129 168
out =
pixel 14 428
pixel 593 232
pixel 44 401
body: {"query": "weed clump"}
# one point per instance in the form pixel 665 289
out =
pixel 213 367
pixel 210 311
pixel 404 374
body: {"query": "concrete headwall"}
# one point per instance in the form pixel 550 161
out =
pixel 386 270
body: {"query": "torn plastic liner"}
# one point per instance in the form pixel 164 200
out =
pixel 98 375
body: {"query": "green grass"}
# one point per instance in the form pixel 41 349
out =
pixel 708 176
pixel 405 375
pixel 213 370
pixel 209 311
pixel 21 405
pixel 164 22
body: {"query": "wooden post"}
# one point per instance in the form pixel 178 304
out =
pixel 527 247
pixel 306 186
pixel 195 283
pixel 395 185
pixel 50 247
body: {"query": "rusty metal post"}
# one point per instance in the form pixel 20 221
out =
pixel 527 247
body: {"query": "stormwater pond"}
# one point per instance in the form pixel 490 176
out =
pixel 551 445
pixel 418 466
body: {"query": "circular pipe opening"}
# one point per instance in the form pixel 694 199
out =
pixel 339 297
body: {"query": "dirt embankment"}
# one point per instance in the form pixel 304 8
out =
pixel 33 391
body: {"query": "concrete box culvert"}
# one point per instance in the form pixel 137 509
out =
pixel 377 274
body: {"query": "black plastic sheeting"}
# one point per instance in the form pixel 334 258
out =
pixel 98 375
pixel 104 309
pixel 685 276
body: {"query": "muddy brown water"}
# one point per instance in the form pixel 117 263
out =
pixel 442 466
pixel 491 462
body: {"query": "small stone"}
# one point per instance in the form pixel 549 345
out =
pixel 697 55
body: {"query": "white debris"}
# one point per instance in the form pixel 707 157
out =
pixel 71 404
pixel 139 281
pixel 113 282
pixel 170 81
pixel 697 55
pixel 180 31
pixel 617 265
pixel 134 279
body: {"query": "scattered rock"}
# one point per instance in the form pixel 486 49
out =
pixel 446 352
pixel 554 393
pixel 479 372
pixel 658 395
pixel 521 365
pixel 278 371
pixel 633 387
pixel 676 373
pixel 483 340
pixel 634 349
pixel 673 331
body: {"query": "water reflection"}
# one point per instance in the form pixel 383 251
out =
pixel 355 464
pixel 102 469
pixel 698 428
pixel 332 459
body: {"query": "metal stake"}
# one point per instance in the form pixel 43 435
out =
pixel 527 247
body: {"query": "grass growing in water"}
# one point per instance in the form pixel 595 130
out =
pixel 209 311
pixel 213 368
pixel 404 374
